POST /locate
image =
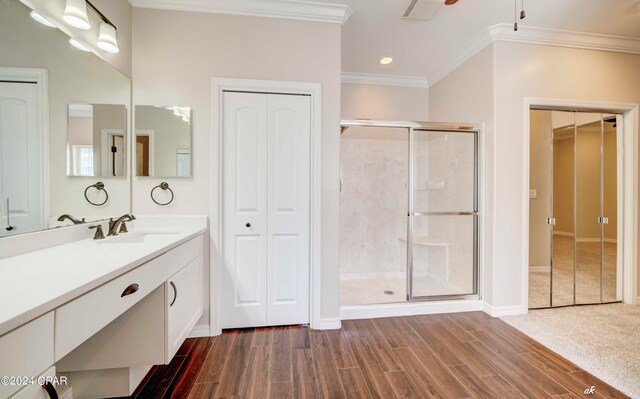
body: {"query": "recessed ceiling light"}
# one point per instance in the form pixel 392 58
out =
pixel 386 60
pixel 78 45
pixel 41 19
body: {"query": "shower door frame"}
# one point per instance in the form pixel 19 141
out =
pixel 435 127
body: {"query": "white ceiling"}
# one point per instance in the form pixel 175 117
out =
pixel 420 48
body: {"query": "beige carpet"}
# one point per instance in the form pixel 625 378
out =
pixel 602 339
pixel 588 275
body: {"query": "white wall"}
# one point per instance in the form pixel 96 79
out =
pixel 527 70
pixel 466 95
pixel 175 56
pixel 384 102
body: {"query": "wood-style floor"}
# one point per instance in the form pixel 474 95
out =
pixel 463 355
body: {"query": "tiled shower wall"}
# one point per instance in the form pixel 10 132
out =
pixel 373 205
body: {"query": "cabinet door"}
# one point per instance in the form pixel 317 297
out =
pixel 184 305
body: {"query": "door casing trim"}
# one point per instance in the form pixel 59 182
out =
pixel 631 115
pixel 314 90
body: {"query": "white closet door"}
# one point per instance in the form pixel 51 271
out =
pixel 266 201
pixel 288 210
pixel 244 283
pixel 20 158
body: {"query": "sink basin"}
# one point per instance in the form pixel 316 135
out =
pixel 138 237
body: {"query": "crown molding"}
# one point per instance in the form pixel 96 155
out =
pixel 284 9
pixel 385 80
pixel 565 38
pixel 535 35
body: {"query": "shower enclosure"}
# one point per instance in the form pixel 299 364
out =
pixel 408 211
pixel 575 251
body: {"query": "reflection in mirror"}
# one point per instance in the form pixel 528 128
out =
pixel 96 140
pixel 163 141
pixel 40 75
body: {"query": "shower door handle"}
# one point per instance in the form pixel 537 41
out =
pixel 551 221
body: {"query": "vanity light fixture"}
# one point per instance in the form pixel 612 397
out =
pixel 78 45
pixel 75 14
pixel 386 60
pixel 107 40
pixel 41 19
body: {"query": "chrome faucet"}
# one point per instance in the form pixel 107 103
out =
pixel 114 224
pixel 71 218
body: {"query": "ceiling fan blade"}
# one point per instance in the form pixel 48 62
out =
pixel 450 2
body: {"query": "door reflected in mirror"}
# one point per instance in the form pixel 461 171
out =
pixel 97 139
pixel 163 141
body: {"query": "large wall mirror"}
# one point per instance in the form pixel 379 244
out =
pixel 163 141
pixel 64 121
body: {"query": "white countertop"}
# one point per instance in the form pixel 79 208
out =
pixel 37 282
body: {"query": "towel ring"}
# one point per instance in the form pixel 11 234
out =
pixel 162 186
pixel 100 187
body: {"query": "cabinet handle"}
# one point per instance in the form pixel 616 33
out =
pixel 130 290
pixel 51 391
pixel 175 293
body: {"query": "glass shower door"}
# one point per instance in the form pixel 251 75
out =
pixel 443 219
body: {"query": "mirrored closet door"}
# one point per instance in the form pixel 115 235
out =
pixel 575 187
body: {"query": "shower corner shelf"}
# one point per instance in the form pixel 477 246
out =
pixel 426 241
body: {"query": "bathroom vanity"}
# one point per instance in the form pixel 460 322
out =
pixel 100 313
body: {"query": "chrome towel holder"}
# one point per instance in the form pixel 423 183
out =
pixel 163 186
pixel 100 187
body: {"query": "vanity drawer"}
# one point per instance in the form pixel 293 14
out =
pixel 26 351
pixel 182 255
pixel 81 318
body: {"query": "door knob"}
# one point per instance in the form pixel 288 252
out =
pixel 248 224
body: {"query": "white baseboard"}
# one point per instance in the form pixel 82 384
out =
pixel 332 323
pixel 354 312
pixel 200 331
pixel 539 269
pixel 499 311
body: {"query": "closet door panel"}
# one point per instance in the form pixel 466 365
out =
pixel 588 208
pixel 563 205
pixel 289 157
pixel 244 221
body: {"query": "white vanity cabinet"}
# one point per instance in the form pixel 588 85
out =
pixel 184 305
pixel 107 338
pixel 149 331
pixel 30 350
